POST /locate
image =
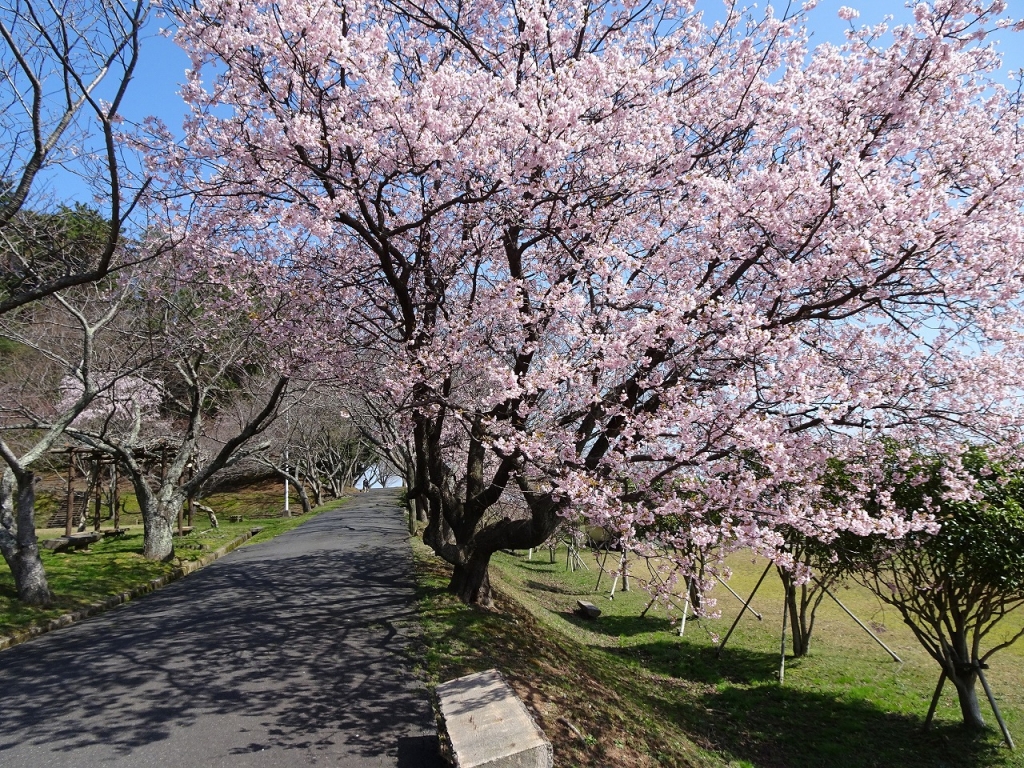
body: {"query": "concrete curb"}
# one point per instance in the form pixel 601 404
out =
pixel 190 566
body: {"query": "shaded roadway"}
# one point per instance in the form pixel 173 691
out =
pixel 292 652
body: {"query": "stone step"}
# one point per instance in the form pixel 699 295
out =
pixel 488 726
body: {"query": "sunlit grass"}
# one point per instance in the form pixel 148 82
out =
pixel 847 703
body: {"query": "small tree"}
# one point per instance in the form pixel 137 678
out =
pixel 815 567
pixel 953 588
pixel 209 339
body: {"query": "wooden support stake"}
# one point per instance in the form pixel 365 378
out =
pixel 862 625
pixel 600 570
pixel 935 701
pixel 115 498
pixel 71 493
pixel 619 572
pixel 191 499
pixel 686 608
pixel 99 498
pixel 746 605
pixel 995 710
pixel 785 616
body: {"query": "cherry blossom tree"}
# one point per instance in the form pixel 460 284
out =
pixel 215 335
pixel 601 254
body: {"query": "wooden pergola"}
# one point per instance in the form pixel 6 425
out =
pixel 97 460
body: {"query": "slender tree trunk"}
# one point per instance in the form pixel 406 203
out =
pixel 802 604
pixel 20 547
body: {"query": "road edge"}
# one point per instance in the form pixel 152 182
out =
pixel 67 619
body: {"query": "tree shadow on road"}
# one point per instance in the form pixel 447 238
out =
pixel 306 646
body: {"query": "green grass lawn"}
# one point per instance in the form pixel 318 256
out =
pixel 115 565
pixel 260 500
pixel 847 703
pixel 642 695
pixel 595 707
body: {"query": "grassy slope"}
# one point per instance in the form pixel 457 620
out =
pixel 112 566
pixel 597 708
pixel 846 704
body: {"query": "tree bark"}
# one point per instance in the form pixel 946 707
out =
pixel 802 604
pixel 471 583
pixel 20 548
pixel 967 694
pixel 158 536
pixel 421 510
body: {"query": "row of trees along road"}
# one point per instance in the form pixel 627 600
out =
pixel 589 259
pixel 109 337
pixel 596 256
pixel 54 61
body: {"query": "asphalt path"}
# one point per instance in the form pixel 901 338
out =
pixel 292 652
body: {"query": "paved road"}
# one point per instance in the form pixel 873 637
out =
pixel 293 652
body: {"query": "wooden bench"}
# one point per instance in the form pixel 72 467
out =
pixel 484 723
pixel 74 541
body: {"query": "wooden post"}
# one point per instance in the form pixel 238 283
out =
pixel 287 510
pixel 115 497
pixel 191 498
pixel 785 616
pixel 99 495
pixel 71 492
pixel 995 710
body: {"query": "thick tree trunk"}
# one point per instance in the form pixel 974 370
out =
pixel 421 510
pixel 158 537
pixel 967 694
pixel 303 498
pixel 471 583
pixel 19 546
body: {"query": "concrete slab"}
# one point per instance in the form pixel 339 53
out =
pixel 488 725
